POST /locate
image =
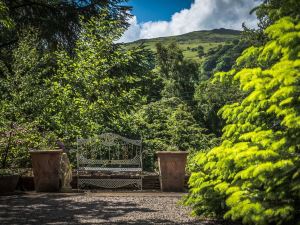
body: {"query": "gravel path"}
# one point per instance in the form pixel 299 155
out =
pixel 96 208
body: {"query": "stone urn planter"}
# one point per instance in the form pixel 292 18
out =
pixel 172 170
pixel 8 183
pixel 46 170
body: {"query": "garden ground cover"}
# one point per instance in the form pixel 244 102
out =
pixel 113 208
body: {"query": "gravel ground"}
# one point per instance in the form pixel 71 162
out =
pixel 96 208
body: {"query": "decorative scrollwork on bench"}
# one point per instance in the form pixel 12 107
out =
pixel 112 153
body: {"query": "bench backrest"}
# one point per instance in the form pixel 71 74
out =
pixel 109 150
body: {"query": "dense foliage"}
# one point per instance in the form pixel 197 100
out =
pixel 57 96
pixel 101 83
pixel 254 174
pixel 209 98
pixel 222 58
pixel 268 13
pixel 58 84
pixel 168 125
pixel 58 21
pixel 167 121
pixel 179 74
pixel 24 95
pixel 63 75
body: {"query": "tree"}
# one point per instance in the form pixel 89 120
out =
pixel 200 51
pixel 179 75
pixel 5 20
pixel 168 124
pixel 58 21
pixel 222 58
pixel 101 83
pixel 59 96
pixel 210 96
pixel 272 10
pixel 24 95
pixel 254 174
pixel 268 13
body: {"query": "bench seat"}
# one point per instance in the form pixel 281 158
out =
pixel 99 169
pixel 110 153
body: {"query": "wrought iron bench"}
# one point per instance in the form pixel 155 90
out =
pixel 109 153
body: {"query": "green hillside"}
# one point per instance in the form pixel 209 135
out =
pixel 190 41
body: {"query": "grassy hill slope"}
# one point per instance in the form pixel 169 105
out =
pixel 190 41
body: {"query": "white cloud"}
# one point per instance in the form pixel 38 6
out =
pixel 133 32
pixel 202 15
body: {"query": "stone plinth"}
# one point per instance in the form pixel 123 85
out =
pixel 172 170
pixel 46 170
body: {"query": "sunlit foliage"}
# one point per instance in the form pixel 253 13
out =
pixel 254 174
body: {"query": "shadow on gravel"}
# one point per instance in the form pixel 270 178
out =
pixel 64 209
pixel 154 222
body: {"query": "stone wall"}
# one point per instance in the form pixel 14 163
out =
pixel 150 182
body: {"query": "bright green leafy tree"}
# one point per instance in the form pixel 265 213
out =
pixel 168 124
pixel 60 96
pixel 101 84
pixel 179 74
pixel 24 95
pixel 254 174
pixel 268 13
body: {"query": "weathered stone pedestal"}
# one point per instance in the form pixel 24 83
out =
pixel 172 170
pixel 46 170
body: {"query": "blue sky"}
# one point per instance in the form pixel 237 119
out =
pixel 154 10
pixel 161 18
